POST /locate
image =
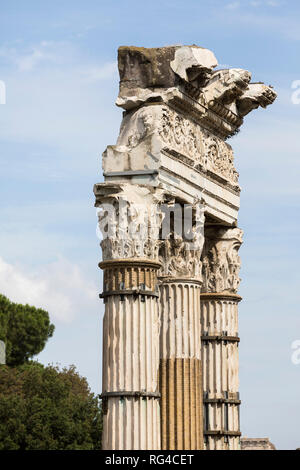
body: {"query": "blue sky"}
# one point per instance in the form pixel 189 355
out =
pixel 58 61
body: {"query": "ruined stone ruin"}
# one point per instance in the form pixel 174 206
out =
pixel 168 214
pixel 256 443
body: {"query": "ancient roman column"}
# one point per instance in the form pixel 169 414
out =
pixel 178 113
pixel 129 221
pixel 180 341
pixel 220 340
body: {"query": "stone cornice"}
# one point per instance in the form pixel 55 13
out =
pixel 184 77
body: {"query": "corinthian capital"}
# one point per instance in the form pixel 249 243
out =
pixel 182 244
pixel 129 221
pixel 221 262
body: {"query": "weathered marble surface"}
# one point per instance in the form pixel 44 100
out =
pixel 156 75
pixel 145 74
pixel 221 262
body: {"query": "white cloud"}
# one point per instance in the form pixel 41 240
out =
pixel 253 3
pixel 270 3
pixel 29 59
pixel 232 5
pixel 28 62
pixel 62 107
pixel 53 96
pixel 59 287
pixel 95 73
pixel 35 234
pixel 273 3
pixel 284 24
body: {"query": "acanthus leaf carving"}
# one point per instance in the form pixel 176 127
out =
pixel 220 261
pixel 130 222
pixel 180 256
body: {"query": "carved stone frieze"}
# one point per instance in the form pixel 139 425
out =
pixel 181 136
pixel 220 261
pixel 219 158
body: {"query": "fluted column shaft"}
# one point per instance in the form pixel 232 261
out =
pixel 180 365
pixel 220 359
pixel 219 321
pixel 131 418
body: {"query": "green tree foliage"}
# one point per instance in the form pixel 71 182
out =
pixel 41 408
pixel 44 408
pixel 24 329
